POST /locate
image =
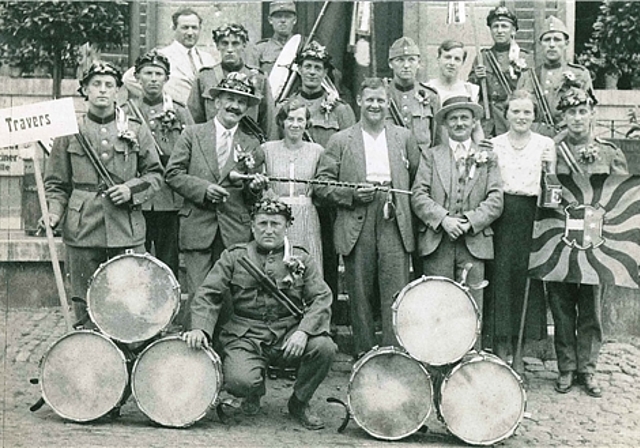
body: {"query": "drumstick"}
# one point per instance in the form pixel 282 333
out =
pixel 518 364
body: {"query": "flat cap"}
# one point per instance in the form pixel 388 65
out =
pixel 502 13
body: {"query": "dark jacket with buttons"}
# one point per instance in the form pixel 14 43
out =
pixel 72 184
pixel 255 311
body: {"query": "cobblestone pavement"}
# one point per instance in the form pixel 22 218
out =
pixel 552 419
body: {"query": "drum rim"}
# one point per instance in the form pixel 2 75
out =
pixel 119 351
pixel 423 279
pixel 213 356
pixel 375 351
pixel 485 356
pixel 162 265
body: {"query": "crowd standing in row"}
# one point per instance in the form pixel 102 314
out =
pixel 428 176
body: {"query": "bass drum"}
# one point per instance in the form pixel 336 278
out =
pixel 83 376
pixel 482 400
pixel 175 385
pixel 436 320
pixel 133 297
pixel 390 393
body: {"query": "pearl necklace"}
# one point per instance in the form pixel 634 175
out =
pixel 520 146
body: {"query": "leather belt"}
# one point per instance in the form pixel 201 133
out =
pixel 92 188
pixel 261 317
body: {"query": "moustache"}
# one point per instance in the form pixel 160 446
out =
pixel 234 110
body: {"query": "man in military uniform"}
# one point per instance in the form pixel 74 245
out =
pixel 503 64
pixel 576 307
pixel 215 214
pixel 261 329
pixel 166 119
pixel 282 18
pixel 329 114
pixel 98 220
pixel 231 41
pixel 555 71
pixel 414 102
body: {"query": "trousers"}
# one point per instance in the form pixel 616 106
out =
pixel 162 235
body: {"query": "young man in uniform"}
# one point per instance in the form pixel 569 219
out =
pixel 99 220
pixel 261 329
pixel 503 64
pixel 231 41
pixel 166 119
pixel 282 18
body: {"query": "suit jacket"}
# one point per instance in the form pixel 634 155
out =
pixel 344 161
pixel 432 191
pixel 193 166
pixel 255 310
pixel 182 75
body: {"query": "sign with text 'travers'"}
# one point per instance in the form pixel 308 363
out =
pixel 38 121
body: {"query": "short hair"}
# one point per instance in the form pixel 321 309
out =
pixel 522 95
pixel 451 44
pixel 184 12
pixel 289 106
pixel 371 83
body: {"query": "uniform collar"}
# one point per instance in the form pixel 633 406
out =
pixel 311 95
pixel 262 251
pixel 552 66
pixel 153 102
pixel 101 120
pixel 403 88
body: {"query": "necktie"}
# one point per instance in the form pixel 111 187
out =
pixel 192 61
pixel 224 148
pixel 461 158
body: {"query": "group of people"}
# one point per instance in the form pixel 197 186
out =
pixel 423 179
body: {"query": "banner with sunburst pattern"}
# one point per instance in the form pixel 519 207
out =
pixel 594 236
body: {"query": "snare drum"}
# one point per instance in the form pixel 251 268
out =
pixel 435 320
pixel 390 393
pixel 133 297
pixel 175 385
pixel 83 376
pixel 482 400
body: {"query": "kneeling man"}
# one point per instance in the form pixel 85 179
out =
pixel 261 329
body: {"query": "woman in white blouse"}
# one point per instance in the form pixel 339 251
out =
pixel 522 157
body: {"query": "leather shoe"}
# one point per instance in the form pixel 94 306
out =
pixel 251 405
pixel 564 382
pixel 590 384
pixel 300 411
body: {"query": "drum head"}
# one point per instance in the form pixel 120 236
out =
pixel 83 376
pixel 483 400
pixel 435 320
pixel 390 394
pixel 175 385
pixel 133 297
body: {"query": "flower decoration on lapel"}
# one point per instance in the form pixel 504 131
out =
pixel 168 118
pixel 244 159
pixel 124 133
pixel 423 99
pixel 516 67
pixel 589 154
pixel 328 104
pixel 479 158
pixel 295 266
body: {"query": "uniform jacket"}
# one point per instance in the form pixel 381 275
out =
pixel 344 161
pixel 432 191
pixel 181 78
pixel 418 107
pixel 324 124
pixel 72 184
pixel 193 166
pixel 263 54
pixel 254 308
pixel 165 136
pixel 497 94
pixel 552 80
pixel 610 159
pixel 202 106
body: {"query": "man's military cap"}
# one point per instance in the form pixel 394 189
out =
pixel 153 58
pixel 502 13
pixel 315 51
pixel 405 46
pixel 553 25
pixel 282 6
pixel 270 206
pixel 574 96
pixel 239 84
pixel 228 30
pixel 100 68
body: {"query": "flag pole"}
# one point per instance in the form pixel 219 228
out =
pixel 483 81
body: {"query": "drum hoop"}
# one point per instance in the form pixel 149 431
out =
pixel 215 360
pixel 382 351
pixel 46 355
pixel 482 356
pixel 424 279
pixel 148 257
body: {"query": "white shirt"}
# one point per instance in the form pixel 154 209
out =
pixel 456 153
pixel 521 168
pixel 376 155
pixel 221 130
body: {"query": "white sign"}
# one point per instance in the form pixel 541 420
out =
pixel 38 121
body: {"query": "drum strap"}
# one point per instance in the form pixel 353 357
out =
pixel 37 405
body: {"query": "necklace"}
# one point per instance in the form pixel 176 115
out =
pixel 518 145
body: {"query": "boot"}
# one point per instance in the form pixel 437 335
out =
pixel 300 411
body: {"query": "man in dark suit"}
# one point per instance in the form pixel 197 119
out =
pixel 457 194
pixel 373 230
pixel 261 329
pixel 215 214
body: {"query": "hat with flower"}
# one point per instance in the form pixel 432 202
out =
pixel 271 206
pixel 315 51
pixel 154 58
pixel 228 30
pixel 239 84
